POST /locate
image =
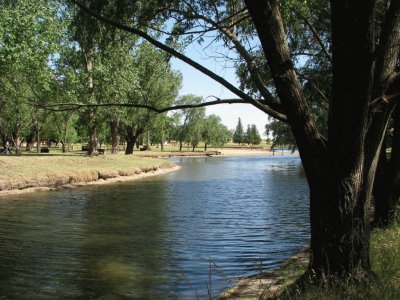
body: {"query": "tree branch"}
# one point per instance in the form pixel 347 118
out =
pixel 75 106
pixel 387 53
pixel 249 59
pixel 317 38
pixel 246 98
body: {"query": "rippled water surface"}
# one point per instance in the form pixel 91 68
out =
pixel 182 235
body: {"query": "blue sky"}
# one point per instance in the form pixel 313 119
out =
pixel 198 84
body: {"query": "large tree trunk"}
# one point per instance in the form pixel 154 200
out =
pixel 340 230
pixel 132 135
pixel 115 137
pixel 92 132
pixel 92 126
pixel 16 137
pixel 162 141
pixel 338 173
pixel 29 141
pixel 129 147
pixel 387 183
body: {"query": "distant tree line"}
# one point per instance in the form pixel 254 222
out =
pixel 52 53
pixel 251 136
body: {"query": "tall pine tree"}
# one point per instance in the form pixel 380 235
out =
pixel 239 135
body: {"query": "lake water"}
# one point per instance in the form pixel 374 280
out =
pixel 183 235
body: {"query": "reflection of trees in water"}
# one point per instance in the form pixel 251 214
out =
pixel 124 237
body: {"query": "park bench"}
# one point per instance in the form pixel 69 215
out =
pixel 44 150
pixel 212 153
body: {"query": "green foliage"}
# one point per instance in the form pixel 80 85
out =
pixel 239 134
pixel 187 118
pixel 29 35
pixel 252 135
pixel 214 132
pixel 154 83
pixel 281 134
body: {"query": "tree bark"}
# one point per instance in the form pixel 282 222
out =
pixel 132 135
pixel 115 137
pixel 92 132
pixel 92 126
pixel 387 183
pixel 338 173
pixel 16 137
pixel 162 141
pixel 29 141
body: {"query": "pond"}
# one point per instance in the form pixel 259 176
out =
pixel 183 235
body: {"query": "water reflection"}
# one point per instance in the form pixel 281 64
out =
pixel 157 237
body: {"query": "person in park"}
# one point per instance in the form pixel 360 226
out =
pixel 7 149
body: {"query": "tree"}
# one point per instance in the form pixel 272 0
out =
pixel 28 37
pixel 386 189
pixel 252 135
pixel 156 83
pixel 188 119
pixel 339 167
pixel 238 134
pixel 214 132
pixel 281 134
pixel 194 129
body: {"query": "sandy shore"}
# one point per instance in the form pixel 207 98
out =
pixel 113 178
pixel 210 152
pixel 243 152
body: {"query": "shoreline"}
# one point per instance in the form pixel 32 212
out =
pixel 50 181
pixel 98 179
pixel 210 152
pixel 269 284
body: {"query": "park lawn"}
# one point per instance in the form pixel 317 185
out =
pixel 30 171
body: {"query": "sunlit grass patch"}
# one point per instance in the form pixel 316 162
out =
pixel 21 172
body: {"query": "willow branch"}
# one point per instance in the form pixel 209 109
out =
pixel 317 38
pixel 246 98
pixel 75 106
pixel 249 59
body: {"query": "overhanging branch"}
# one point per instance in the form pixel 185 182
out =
pixel 76 106
pixel 244 97
pixel 317 38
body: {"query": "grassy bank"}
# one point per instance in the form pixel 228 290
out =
pixel 35 171
pixel 385 259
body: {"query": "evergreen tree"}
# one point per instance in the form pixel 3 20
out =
pixel 255 135
pixel 238 135
pixel 247 136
